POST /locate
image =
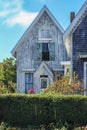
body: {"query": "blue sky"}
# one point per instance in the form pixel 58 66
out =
pixel 16 16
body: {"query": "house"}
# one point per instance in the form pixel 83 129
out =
pixel 75 38
pixel 39 53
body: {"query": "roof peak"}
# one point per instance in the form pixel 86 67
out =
pixel 44 8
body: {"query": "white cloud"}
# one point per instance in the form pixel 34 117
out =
pixel 3 13
pixel 22 18
pixel 10 6
pixel 12 13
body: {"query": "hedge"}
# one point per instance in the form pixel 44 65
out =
pixel 22 110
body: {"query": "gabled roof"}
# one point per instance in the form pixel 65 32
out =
pixel 44 9
pixel 43 64
pixel 77 20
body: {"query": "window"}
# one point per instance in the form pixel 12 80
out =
pixel 44 81
pixel 45 33
pixel 45 52
pixel 28 81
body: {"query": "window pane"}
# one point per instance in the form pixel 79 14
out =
pixel 28 82
pixel 45 56
pixel 45 47
pixel 45 52
pixel 28 87
pixel 28 78
pixel 43 83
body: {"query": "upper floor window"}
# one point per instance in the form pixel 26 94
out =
pixel 45 52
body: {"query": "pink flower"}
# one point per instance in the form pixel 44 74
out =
pixel 31 91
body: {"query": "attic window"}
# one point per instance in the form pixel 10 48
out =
pixel 45 34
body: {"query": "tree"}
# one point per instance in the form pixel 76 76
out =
pixel 1 71
pixel 9 69
pixel 8 75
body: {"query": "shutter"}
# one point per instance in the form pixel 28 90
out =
pixel 38 51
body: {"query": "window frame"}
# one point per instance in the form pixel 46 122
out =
pixel 41 78
pixel 51 55
pixel 45 51
pixel 28 83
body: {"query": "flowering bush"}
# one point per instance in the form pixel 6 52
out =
pixel 31 91
pixel 62 86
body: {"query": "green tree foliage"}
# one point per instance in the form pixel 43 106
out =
pixel 9 69
pixel 1 71
pixel 8 75
pixel 65 86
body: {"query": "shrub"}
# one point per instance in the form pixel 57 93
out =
pixel 24 110
pixel 64 86
pixel 11 88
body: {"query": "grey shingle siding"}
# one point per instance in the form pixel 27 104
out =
pixel 79 47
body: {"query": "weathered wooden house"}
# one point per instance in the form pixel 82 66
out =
pixel 76 38
pixel 39 53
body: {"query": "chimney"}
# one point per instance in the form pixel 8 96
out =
pixel 72 16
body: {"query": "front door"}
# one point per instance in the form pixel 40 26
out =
pixel 85 78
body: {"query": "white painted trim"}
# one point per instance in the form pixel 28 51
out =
pixel 65 63
pixel 83 56
pixel 28 70
pixel 71 66
pixel 44 9
pixel 76 20
pixel 85 76
pixel 45 40
pixel 58 69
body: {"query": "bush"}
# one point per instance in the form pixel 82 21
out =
pixel 64 86
pixel 11 88
pixel 24 110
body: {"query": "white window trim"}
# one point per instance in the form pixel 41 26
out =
pixel 66 70
pixel 28 70
pixel 45 40
pixel 85 63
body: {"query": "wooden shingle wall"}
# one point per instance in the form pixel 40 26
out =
pixel 79 47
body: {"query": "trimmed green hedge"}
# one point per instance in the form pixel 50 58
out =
pixel 43 109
